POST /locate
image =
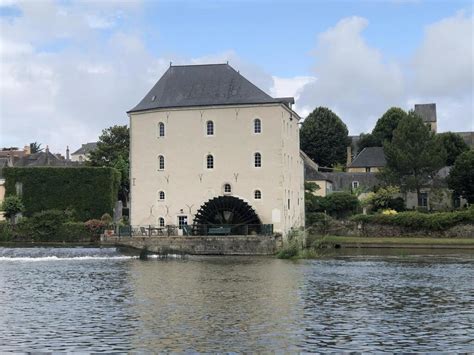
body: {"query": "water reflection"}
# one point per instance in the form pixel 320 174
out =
pixel 97 300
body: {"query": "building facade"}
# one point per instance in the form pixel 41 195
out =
pixel 204 137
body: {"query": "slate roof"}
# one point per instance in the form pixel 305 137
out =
pixel 342 181
pixel 203 85
pixel 86 148
pixel 369 157
pixel 426 111
pixel 311 172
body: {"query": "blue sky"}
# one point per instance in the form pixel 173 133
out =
pixel 83 64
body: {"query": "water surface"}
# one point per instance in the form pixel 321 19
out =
pixel 87 299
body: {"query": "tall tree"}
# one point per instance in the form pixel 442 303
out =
pixel 453 144
pixel 383 130
pixel 461 176
pixel 113 151
pixel 35 147
pixel 413 157
pixel 324 137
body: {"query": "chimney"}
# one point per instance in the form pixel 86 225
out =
pixel 349 155
pixel 27 149
pixel 47 154
pixel 67 153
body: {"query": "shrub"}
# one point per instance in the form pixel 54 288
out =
pixel 341 204
pixel 74 232
pixel 289 251
pixel 89 191
pixel 45 225
pixel 419 220
pixel 5 231
pixel 95 226
pixel 11 206
pixel 106 218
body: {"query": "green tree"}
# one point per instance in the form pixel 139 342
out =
pixel 383 130
pixel 11 206
pixel 113 151
pixel 324 137
pixel 413 157
pixel 35 147
pixel 461 176
pixel 453 144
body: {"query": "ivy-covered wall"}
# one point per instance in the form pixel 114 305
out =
pixel 89 191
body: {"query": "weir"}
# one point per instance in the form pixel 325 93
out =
pixel 198 245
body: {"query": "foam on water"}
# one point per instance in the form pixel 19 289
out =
pixel 60 254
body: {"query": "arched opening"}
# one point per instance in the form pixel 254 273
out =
pixel 226 215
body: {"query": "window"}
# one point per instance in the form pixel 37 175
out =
pixel 161 129
pixel 210 128
pixel 288 204
pixel 367 170
pixel 182 221
pixel 161 222
pixel 210 161
pixel 257 126
pixel 423 199
pixel 161 162
pixel 257 160
pixel 227 189
pixel 355 184
pixel 161 195
pixel 257 194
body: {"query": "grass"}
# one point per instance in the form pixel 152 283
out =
pixel 397 241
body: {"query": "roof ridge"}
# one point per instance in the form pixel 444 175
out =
pixel 197 65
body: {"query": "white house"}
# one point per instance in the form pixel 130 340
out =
pixel 207 147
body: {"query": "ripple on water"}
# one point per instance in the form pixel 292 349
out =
pixel 89 299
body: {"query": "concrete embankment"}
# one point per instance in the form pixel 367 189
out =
pixel 198 245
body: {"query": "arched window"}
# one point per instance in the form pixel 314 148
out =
pixel 210 161
pixel 258 160
pixel 161 129
pixel 227 189
pixel 210 128
pixel 257 126
pixel 161 195
pixel 161 162
pixel 161 221
pixel 257 194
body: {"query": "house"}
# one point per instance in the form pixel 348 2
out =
pixel 82 153
pixel 209 148
pixel 369 160
pixel 427 112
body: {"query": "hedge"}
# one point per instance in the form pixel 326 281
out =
pixel 88 191
pixel 419 220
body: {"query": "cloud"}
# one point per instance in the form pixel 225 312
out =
pixel 357 82
pixel 443 65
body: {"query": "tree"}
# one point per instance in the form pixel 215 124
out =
pixel 413 157
pixel 35 147
pixel 461 176
pixel 11 206
pixel 383 130
pixel 113 151
pixel 453 144
pixel 324 137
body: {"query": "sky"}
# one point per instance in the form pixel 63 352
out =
pixel 69 69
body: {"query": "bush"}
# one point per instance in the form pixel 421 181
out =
pixel 95 226
pixel 106 218
pixel 419 220
pixel 74 232
pixel 89 191
pixel 46 225
pixel 341 204
pixel 11 206
pixel 290 251
pixel 5 231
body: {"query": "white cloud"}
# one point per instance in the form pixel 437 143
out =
pixel 444 62
pixel 359 83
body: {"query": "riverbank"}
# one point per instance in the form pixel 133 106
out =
pixel 396 242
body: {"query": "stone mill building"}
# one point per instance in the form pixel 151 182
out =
pixel 210 149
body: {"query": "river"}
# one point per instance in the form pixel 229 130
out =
pixel 93 300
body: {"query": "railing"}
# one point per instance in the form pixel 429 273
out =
pixel 194 230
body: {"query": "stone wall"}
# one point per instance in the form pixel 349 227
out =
pixel 199 245
pixel 383 230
